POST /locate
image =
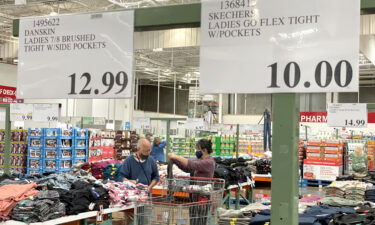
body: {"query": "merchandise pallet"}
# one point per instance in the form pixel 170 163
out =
pixel 314 183
pixel 56 150
pixel 18 150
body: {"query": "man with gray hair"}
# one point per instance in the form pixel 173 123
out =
pixel 141 167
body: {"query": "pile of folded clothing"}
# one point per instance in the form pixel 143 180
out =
pixel 317 215
pixel 83 197
pixel 44 206
pixel 11 194
pixel 123 193
pixel 233 171
pixel 98 168
pixel 263 166
pixel 370 194
pixel 352 190
pixel 58 180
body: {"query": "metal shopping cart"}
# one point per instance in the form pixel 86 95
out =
pixel 183 201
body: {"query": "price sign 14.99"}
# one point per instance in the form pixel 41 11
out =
pixel 347 115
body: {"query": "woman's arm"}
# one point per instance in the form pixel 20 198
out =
pixel 181 162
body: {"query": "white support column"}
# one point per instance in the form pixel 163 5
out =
pixel 235 103
pixel 174 95
pixel 158 103
pixel 220 108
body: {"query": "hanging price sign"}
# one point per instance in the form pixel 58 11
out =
pixel 46 113
pixel 34 112
pixel 273 46
pixel 76 56
pixel 195 124
pixel 21 112
pixel 142 123
pixel 347 115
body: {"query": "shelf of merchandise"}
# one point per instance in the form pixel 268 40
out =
pixel 18 154
pixel 184 147
pixel 55 150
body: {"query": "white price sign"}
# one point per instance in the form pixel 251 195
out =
pixel 142 123
pixel 21 112
pixel 195 124
pixel 76 56
pixel 273 46
pixel 347 115
pixel 251 128
pixel 46 112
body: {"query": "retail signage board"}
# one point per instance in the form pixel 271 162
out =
pixel 34 112
pixel 195 124
pixel 273 46
pixel 313 117
pixel 321 117
pixel 142 123
pixel 76 56
pixel 46 112
pixel 251 128
pixel 347 115
pixel 321 170
pixel 21 112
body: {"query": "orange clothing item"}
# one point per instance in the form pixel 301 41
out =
pixel 11 194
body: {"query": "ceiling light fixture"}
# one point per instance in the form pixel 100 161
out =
pixel 157 50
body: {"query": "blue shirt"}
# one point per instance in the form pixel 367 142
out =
pixel 158 151
pixel 143 172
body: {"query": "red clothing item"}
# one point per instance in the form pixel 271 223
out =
pixel 199 167
pixel 11 194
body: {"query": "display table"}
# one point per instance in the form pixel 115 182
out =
pixel 236 189
pixel 262 177
pixel 74 218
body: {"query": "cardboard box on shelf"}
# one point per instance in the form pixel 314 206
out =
pixel 321 170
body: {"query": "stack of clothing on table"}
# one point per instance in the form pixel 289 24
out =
pixel 317 215
pixel 98 168
pixel 351 190
pixel 233 171
pixel 112 172
pixel 263 166
pixel 44 206
pixel 58 180
pixel 83 197
pixel 123 193
pixel 370 194
pixel 11 194
pixel 241 216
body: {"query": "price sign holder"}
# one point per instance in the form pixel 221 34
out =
pixel 347 115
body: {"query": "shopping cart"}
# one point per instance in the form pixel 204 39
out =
pixel 183 201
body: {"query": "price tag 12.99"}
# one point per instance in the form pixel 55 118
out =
pixel 81 56
pixel 347 115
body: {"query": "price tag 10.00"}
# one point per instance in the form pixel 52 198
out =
pixel 347 115
pixel 278 48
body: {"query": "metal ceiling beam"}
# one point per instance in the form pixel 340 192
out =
pixel 367 4
pixel 168 17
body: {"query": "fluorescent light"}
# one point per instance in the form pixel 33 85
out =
pixel 157 50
